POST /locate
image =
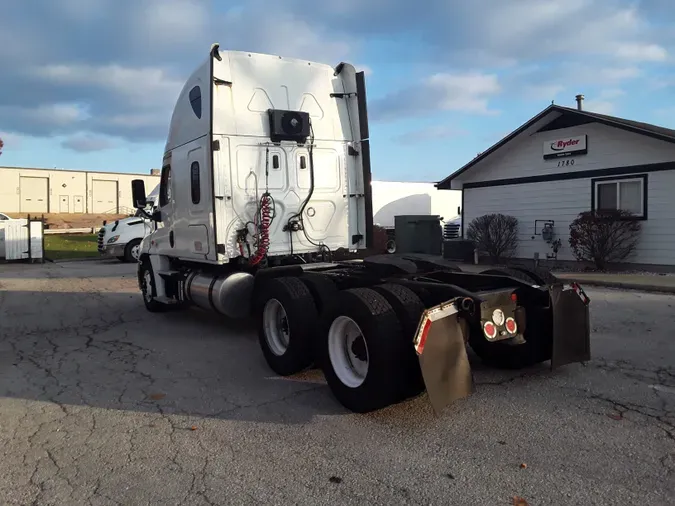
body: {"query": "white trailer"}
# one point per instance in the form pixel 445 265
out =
pixel 395 198
pixel 266 171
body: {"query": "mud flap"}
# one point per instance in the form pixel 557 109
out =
pixel 441 350
pixel 571 325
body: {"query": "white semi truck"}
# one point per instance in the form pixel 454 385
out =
pixel 122 238
pixel 266 171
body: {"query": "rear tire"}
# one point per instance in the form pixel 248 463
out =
pixel 321 287
pixel 287 321
pixel 361 369
pixel 409 309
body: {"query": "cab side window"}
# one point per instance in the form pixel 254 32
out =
pixel 194 183
pixel 165 186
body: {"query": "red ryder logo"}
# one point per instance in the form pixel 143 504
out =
pixel 560 145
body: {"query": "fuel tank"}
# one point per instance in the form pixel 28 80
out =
pixel 228 294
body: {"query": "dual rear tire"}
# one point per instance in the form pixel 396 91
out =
pixel 361 338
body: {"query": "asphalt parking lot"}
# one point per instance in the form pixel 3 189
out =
pixel 103 403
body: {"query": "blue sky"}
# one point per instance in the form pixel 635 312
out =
pixel 90 84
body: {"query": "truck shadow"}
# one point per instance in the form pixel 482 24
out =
pixel 104 350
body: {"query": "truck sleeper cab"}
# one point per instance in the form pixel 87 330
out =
pixel 266 173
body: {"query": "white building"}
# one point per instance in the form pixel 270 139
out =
pixel 565 161
pixel 37 191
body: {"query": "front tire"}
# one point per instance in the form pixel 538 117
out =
pixel 362 351
pixel 132 251
pixel 146 280
pixel 287 320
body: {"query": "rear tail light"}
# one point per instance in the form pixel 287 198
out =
pixel 511 326
pixel 490 330
pixel 423 336
pixel 514 297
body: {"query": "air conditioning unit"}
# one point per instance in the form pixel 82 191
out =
pixel 288 125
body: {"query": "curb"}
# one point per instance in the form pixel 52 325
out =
pixel 624 286
pixel 83 259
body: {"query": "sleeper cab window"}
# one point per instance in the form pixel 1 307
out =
pixel 196 101
pixel 165 186
pixel 194 183
pixel 626 194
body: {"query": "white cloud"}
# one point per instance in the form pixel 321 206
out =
pixel 367 70
pixel 87 143
pixel 432 133
pixel 469 93
pixel 599 106
pixel 138 86
pixel 543 91
pixel 642 52
pixel 611 94
pixel 605 101
pixel 51 115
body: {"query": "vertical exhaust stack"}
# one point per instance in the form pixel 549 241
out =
pixel 580 99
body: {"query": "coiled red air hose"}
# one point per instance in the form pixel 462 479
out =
pixel 263 230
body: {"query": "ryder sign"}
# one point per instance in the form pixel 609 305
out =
pixel 565 146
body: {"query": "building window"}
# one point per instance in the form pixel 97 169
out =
pixel 165 186
pixel 626 193
pixel 196 101
pixel 194 183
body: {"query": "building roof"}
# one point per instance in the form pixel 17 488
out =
pixel 2 167
pixel 568 117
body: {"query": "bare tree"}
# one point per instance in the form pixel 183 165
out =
pixel 604 237
pixel 2 144
pixel 495 235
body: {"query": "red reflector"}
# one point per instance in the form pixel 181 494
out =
pixel 423 336
pixel 514 297
pixel 511 326
pixel 490 329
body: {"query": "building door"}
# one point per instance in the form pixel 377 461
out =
pixel 34 194
pixel 104 197
pixel 78 204
pixel 63 204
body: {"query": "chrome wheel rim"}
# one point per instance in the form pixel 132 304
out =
pixel 147 285
pixel 275 327
pixel 348 351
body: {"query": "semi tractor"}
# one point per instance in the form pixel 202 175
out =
pixel 122 238
pixel 266 171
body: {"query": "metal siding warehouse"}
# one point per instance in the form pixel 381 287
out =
pixel 37 191
pixel 602 162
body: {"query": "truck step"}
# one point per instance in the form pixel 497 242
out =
pixel 169 274
pixel 166 300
